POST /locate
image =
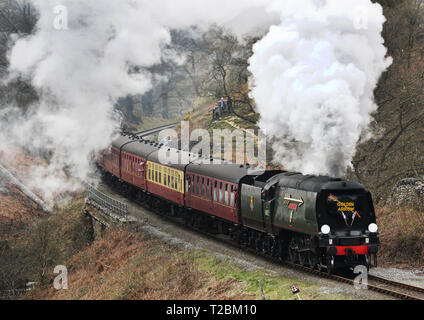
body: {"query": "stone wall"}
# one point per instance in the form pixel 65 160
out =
pixel 408 192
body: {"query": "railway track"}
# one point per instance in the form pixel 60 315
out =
pixel 402 290
pixel 377 284
pixel 155 130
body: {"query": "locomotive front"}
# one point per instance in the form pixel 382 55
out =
pixel 348 231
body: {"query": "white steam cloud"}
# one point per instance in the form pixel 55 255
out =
pixel 313 81
pixel 82 68
pixel 313 76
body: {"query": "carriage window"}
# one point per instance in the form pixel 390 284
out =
pixel 208 189
pixel 220 193
pixel 232 195
pixel 172 180
pixel 202 187
pixel 226 194
pixel 167 177
pixel 214 192
pixel 193 182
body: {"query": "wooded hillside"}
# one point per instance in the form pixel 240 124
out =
pixel 213 64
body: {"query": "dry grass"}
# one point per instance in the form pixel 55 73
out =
pixel 124 265
pixel 136 266
pixel 16 208
pixel 18 161
pixel 401 236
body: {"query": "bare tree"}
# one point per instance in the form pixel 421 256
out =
pixel 397 150
pixel 18 18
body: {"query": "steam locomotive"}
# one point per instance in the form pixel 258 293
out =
pixel 317 221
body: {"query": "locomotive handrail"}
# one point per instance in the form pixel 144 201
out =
pixel 107 202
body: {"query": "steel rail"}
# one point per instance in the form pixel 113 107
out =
pixel 154 130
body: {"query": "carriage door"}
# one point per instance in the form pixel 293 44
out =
pixel 188 189
pixel 209 193
pixel 141 173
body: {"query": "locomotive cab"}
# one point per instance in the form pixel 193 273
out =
pixel 348 233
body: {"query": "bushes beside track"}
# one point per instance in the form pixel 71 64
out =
pixel 402 237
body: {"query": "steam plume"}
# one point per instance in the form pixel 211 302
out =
pixel 81 71
pixel 313 81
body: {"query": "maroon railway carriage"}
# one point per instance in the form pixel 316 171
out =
pixel 214 189
pixel 134 161
pixel 127 159
pixel 110 159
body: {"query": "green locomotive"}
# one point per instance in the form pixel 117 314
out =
pixel 313 220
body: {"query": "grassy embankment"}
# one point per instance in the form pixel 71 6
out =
pixel 128 265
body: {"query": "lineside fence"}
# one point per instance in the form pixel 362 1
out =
pixel 106 202
pixel 12 294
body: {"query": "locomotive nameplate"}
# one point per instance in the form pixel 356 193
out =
pixel 346 206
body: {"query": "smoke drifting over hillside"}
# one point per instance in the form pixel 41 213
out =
pixel 312 76
pixel 81 61
pixel 313 81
